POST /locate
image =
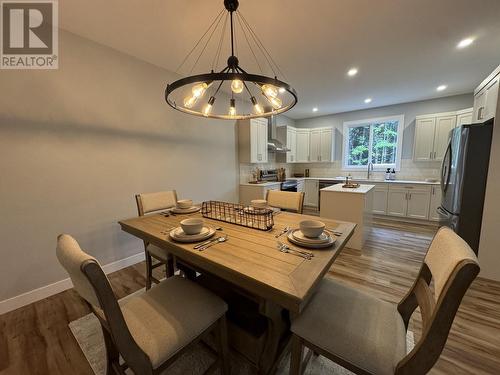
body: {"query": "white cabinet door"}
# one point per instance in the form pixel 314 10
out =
pixel 254 142
pixel 491 100
pixel 291 143
pixel 315 145
pixel 311 188
pixel 262 141
pixel 479 106
pixel 380 200
pixel 326 145
pixel 418 204
pixel 423 149
pixel 443 126
pixel 396 202
pixel 435 202
pixel 464 117
pixel 301 186
pixel 302 152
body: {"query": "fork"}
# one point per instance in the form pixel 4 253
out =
pixel 285 246
pixel 287 249
pixel 284 230
pixel 215 242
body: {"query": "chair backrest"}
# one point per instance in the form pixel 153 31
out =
pixel 151 202
pixel 286 200
pixel 452 266
pixel 71 257
pixel 90 281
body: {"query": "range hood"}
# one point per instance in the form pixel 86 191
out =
pixel 273 144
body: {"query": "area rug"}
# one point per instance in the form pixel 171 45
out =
pixel 87 332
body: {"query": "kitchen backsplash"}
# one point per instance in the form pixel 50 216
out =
pixel 410 170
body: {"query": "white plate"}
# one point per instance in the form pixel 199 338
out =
pixel 330 242
pixel 190 210
pixel 178 234
pixel 299 236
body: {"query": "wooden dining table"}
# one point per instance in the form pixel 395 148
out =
pixel 250 264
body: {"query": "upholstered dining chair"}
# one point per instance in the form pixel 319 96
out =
pixel 286 200
pixel 152 329
pixel 368 336
pixel 149 203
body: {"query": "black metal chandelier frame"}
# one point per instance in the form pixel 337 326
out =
pixel 233 71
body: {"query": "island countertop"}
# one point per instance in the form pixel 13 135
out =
pixel 362 189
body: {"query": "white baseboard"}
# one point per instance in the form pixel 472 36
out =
pixel 62 285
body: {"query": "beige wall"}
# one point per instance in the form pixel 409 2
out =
pixel 489 245
pixel 77 144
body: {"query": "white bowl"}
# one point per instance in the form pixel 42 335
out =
pixel 258 203
pixel 311 228
pixel 192 226
pixel 185 203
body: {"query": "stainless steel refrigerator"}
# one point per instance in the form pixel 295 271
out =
pixel 463 180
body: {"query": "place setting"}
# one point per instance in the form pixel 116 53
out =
pixel 195 230
pixel 182 207
pixel 311 234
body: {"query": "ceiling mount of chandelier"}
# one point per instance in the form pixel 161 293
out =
pixel 231 93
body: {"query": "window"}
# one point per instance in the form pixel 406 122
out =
pixel 373 140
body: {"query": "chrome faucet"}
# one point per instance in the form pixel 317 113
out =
pixel 370 168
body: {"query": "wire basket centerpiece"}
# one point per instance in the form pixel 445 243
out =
pixel 234 213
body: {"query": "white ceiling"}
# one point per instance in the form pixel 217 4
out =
pixel 404 49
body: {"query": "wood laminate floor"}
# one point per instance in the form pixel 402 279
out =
pixel 35 339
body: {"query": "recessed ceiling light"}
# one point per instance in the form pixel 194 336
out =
pixel 368 100
pixel 352 72
pixel 441 87
pixel 281 90
pixel 465 42
pixel 315 109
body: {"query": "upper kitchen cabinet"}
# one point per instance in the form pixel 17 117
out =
pixel 252 140
pixel 291 143
pixel 431 135
pixel 321 145
pixel 464 117
pixel 485 97
pixel 302 149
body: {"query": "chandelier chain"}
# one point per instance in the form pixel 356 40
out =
pixel 262 46
pixel 219 47
pixel 199 41
pixel 206 44
pixel 248 42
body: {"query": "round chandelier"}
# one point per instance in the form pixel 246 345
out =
pixel 231 93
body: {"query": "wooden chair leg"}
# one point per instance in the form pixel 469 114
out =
pixel 113 357
pixel 149 270
pixel 223 346
pixel 296 355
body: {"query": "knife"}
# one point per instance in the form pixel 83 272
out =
pixel 205 243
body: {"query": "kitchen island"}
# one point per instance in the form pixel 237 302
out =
pixel 349 204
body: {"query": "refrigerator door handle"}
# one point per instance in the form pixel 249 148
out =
pixel 445 169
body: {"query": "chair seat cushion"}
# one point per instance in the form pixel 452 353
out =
pixel 170 315
pixel 159 253
pixel 356 327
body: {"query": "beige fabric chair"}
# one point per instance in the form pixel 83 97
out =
pixel 149 330
pixel 286 200
pixel 368 336
pixel 149 203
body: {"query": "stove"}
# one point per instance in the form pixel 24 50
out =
pixel 272 175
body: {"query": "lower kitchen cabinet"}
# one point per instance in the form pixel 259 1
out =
pixel 380 193
pixel 435 202
pixel 311 188
pixel 409 201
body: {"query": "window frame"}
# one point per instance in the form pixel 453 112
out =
pixel 358 123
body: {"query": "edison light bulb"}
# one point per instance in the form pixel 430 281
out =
pixel 232 108
pixel 256 106
pixel 199 89
pixel 208 107
pixel 190 101
pixel 275 102
pixel 237 86
pixel 270 91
